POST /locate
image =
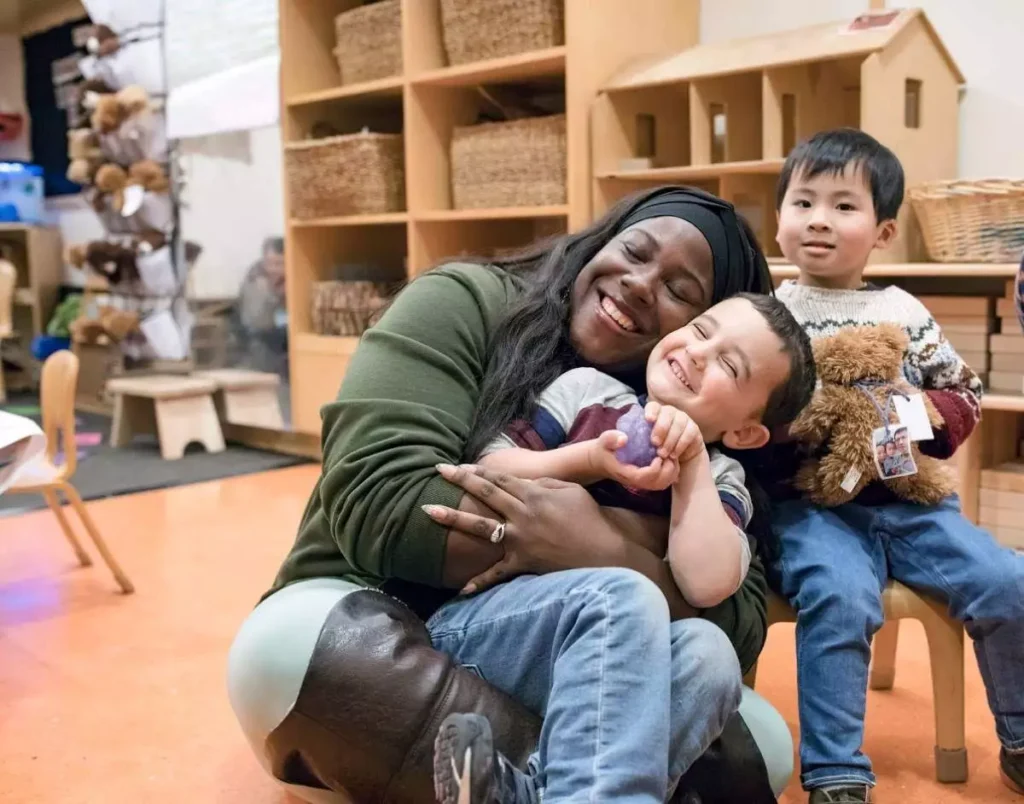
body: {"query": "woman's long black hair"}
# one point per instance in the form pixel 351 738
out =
pixel 531 344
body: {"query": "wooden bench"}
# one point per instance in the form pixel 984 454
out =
pixel 247 398
pixel 179 410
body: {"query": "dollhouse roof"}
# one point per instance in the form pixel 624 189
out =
pixel 836 40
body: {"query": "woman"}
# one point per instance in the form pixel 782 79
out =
pixel 407 404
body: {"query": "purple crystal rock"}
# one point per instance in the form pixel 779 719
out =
pixel 639 451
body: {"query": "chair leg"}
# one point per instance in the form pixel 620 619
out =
pixel 73 497
pixel 58 511
pixel 883 659
pixel 946 653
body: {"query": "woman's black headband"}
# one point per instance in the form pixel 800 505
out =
pixel 736 267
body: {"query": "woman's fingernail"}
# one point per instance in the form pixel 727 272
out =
pixel 468 589
pixel 445 469
pixel 432 510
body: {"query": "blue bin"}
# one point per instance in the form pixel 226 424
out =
pixel 21 189
pixel 45 345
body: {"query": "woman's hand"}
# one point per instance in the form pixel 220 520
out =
pixel 550 525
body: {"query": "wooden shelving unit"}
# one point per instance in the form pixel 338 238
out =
pixel 424 104
pixel 919 270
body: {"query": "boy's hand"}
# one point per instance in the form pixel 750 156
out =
pixel 675 434
pixel 661 473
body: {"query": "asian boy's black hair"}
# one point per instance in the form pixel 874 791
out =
pixel 832 152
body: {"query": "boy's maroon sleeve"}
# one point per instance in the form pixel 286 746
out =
pixel 960 420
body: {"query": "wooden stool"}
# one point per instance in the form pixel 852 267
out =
pixel 179 410
pixel 946 652
pixel 245 397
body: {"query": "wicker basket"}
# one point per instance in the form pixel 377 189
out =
pixel 369 42
pixel 971 221
pixel 354 174
pixel 347 308
pixel 475 30
pixel 515 164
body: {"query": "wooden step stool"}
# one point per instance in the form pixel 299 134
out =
pixel 179 410
pixel 247 398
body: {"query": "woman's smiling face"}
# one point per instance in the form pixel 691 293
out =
pixel 647 281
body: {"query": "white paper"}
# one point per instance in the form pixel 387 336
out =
pixel 914 417
pixel 21 443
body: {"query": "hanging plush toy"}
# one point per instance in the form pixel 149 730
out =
pixel 149 175
pixel 851 427
pixel 114 262
pixel 111 181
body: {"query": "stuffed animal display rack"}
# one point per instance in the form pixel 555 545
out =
pixel 118 152
pixel 851 421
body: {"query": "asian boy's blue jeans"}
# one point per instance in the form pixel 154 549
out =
pixel 834 564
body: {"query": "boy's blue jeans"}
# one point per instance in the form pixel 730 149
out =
pixel 629 699
pixel 834 564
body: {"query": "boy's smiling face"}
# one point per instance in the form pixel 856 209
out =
pixel 721 369
pixel 828 227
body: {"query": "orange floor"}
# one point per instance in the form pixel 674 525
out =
pixel 107 699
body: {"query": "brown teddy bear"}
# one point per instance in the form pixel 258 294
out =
pixel 110 326
pixel 149 175
pixel 83 144
pixel 858 368
pixel 114 262
pixel 110 182
pixel 108 115
pixel 84 154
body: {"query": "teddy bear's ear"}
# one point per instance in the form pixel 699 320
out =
pixel 133 99
pixel 892 336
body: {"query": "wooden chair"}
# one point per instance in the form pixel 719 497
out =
pixel 8 280
pixel 945 651
pixel 57 392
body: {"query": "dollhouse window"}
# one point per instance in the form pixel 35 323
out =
pixel 788 123
pixel 912 103
pixel 718 132
pixel 646 144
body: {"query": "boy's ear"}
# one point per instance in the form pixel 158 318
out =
pixel 886 234
pixel 750 436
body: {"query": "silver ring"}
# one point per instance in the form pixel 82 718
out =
pixel 498 534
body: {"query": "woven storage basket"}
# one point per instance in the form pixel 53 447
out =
pixel 347 308
pixel 971 221
pixel 475 30
pixel 515 164
pixel 369 42
pixel 354 174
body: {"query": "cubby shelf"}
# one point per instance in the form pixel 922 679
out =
pixel 503 213
pixel 351 220
pixel 685 173
pixel 921 270
pixel 381 87
pixel 1013 403
pixel 547 63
